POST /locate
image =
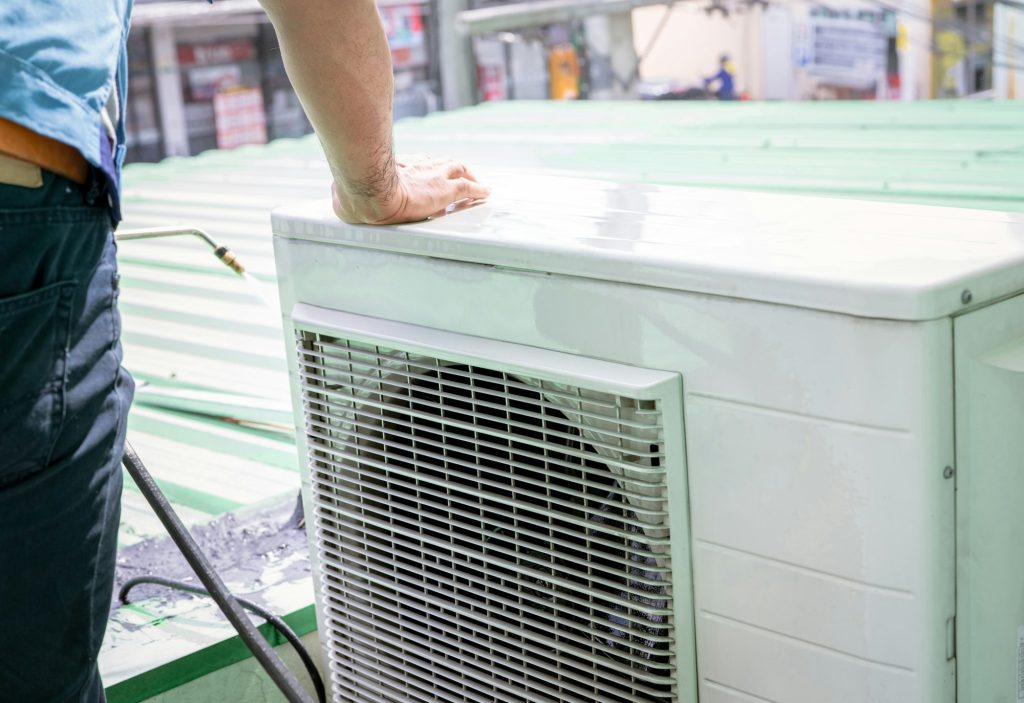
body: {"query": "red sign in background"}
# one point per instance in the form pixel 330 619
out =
pixel 221 52
pixel 404 27
pixel 240 117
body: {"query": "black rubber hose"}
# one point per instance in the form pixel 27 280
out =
pixel 260 648
pixel 277 623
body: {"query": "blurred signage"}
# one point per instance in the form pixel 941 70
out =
pixel 849 47
pixel 219 53
pixel 492 82
pixel 240 117
pixel 564 72
pixel 1008 55
pixel 404 27
pixel 206 81
pixel 491 72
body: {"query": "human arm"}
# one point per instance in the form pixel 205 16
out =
pixel 717 78
pixel 338 60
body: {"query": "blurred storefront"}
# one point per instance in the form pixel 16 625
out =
pixel 979 49
pixel 530 63
pixel 211 76
pixel 850 54
pixel 796 50
pixel 207 76
pixel 536 64
pixel 531 51
pixel 964 47
pixel 1008 50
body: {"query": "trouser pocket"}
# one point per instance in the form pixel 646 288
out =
pixel 34 337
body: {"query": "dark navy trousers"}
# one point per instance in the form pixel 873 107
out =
pixel 63 407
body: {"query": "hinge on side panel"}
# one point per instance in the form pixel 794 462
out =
pixel 951 638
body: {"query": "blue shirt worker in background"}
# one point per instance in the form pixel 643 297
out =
pixel 725 80
pixel 64 397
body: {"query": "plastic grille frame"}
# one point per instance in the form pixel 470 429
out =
pixel 489 530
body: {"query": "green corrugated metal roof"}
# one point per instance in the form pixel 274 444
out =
pixel 968 154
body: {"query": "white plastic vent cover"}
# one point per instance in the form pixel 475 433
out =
pixel 488 531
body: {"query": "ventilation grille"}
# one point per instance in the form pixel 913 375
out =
pixel 483 536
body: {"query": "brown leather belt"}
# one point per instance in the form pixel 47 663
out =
pixel 50 154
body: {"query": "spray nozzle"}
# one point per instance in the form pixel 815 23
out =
pixel 222 253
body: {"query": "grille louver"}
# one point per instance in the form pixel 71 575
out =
pixel 483 535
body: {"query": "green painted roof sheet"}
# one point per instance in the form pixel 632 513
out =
pixel 968 154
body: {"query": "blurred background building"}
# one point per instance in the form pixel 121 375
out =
pixel 211 76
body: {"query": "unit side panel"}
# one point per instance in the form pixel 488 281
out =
pixel 823 526
pixel 283 256
pixel 823 541
pixel 990 502
pixel 815 551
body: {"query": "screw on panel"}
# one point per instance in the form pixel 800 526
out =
pixel 947 472
pixel 966 297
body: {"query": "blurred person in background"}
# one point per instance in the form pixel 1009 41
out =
pixel 64 397
pixel 723 84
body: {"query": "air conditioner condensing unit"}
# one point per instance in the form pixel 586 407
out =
pixel 603 443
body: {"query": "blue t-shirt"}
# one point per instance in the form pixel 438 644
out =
pixel 60 61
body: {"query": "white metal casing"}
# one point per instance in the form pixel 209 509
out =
pixel 815 343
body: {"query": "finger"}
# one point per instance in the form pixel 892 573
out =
pixel 469 174
pixel 465 188
pixel 453 169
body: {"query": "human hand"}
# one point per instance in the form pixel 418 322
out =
pixel 420 187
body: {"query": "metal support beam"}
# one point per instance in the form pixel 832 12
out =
pixel 537 13
pixel 611 56
pixel 1008 63
pixel 455 49
pixel 169 98
pixel 152 14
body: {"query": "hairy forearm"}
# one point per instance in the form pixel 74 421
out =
pixel 338 60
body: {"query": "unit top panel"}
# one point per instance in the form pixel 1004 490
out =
pixel 864 258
